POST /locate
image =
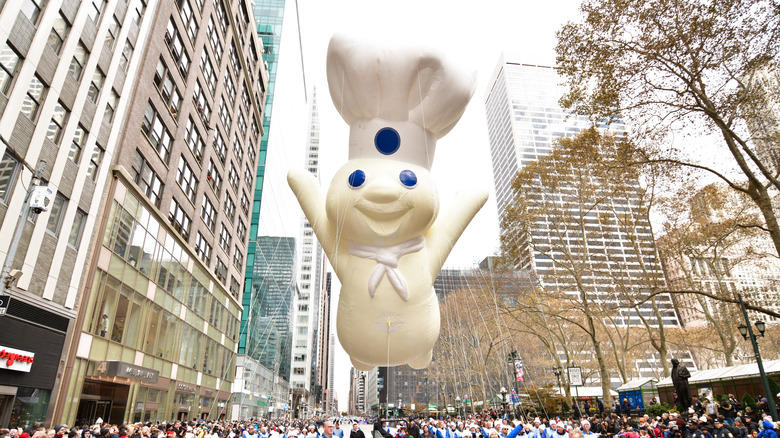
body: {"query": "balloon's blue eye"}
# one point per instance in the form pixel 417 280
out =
pixel 408 178
pixel 387 141
pixel 356 178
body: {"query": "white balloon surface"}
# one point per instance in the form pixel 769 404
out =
pixel 379 223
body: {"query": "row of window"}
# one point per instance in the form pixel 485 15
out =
pixel 9 172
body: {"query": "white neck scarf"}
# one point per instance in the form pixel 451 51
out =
pixel 387 258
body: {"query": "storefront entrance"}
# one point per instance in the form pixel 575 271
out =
pixel 6 401
pixel 93 409
pixel 107 401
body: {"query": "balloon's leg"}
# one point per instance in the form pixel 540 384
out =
pixel 360 366
pixel 422 361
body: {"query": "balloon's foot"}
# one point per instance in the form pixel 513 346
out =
pixel 422 361
pixel 360 366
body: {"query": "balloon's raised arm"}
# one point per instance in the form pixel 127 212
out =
pixel 450 225
pixel 306 188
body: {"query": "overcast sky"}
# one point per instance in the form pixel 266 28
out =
pixel 474 34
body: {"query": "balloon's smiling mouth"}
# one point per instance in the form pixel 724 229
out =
pixel 383 219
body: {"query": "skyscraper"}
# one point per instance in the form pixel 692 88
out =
pixel 159 316
pixel 310 282
pixel 66 74
pixel 269 15
pixel 524 118
pixel 257 380
pixel 265 345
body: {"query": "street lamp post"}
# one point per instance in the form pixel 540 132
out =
pixel 457 404
pixel 503 398
pixel 746 331
pixel 558 371
pixel 399 405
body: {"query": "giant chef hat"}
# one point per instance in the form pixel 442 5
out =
pixel 398 100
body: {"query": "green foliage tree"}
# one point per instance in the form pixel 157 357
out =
pixel 748 400
pixel 774 388
pixel 657 409
pixel 663 64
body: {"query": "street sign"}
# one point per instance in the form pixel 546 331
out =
pixel 465 396
pixel 431 406
pixel 4 300
pixel 575 376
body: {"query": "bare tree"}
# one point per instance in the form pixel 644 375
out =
pixel 680 64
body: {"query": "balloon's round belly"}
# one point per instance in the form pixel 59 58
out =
pixel 386 330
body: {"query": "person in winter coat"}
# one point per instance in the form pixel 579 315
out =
pixel 769 430
pixel 721 431
pixel 356 432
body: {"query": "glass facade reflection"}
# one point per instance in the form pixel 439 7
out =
pixel 157 311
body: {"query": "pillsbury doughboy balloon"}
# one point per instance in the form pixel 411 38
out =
pixel 379 223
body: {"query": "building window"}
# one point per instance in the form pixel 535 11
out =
pixel 238 151
pixel 176 46
pixel 147 179
pixel 233 177
pixel 194 140
pixel 255 132
pixel 241 123
pixel 219 147
pixel 139 7
pixel 127 53
pixel 221 15
pixel 9 169
pixel 156 132
pixel 230 208
pixel 214 178
pixel 245 99
pixel 32 101
pixel 95 9
pixel 56 213
pixel 32 9
pixel 9 61
pixel 179 219
pixel 238 258
pixel 94 161
pixel 77 230
pixel 244 202
pixel 208 72
pixel 186 179
pixel 54 133
pixel 96 85
pixel 234 286
pixel 220 270
pixel 224 115
pixel 216 44
pixel 78 61
pixel 208 213
pixel 113 32
pixel 241 230
pixel 251 154
pixel 224 238
pixel 234 60
pixel 188 18
pixel 199 98
pixel 59 31
pixel 248 177
pixel 113 101
pixel 202 248
pixel 78 143
pixel 163 80
pixel 230 89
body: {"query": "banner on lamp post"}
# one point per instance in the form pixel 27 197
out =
pixel 519 373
